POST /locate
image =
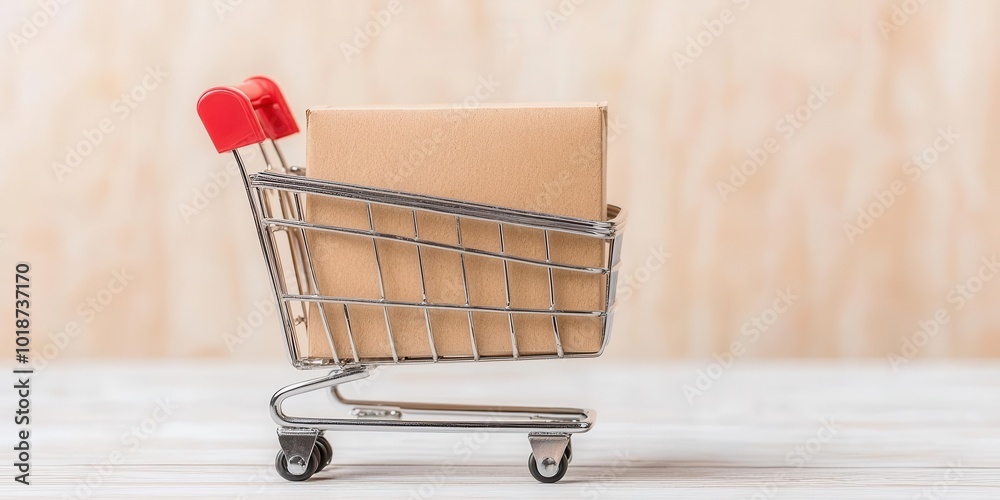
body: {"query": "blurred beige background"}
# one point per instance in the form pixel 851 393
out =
pixel 143 246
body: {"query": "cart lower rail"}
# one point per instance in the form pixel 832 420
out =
pixel 305 451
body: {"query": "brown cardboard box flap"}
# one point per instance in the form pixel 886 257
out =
pixel 540 158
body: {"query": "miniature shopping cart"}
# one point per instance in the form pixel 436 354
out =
pixel 255 114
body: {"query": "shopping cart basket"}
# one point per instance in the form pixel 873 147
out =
pixel 255 114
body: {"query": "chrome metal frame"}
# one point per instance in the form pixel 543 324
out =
pixel 549 429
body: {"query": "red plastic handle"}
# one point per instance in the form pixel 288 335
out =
pixel 245 114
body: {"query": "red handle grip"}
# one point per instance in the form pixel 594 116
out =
pixel 245 114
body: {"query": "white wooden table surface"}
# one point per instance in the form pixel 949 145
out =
pixel 762 430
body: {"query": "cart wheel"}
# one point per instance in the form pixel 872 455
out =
pixel 325 452
pixel 533 467
pixel 281 465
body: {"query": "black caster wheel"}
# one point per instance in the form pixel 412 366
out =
pixel 560 471
pixel 325 452
pixel 311 468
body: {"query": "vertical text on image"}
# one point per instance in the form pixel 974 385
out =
pixel 22 386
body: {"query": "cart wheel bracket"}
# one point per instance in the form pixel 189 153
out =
pixel 297 443
pixel 548 450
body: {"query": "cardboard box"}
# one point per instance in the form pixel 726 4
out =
pixel 541 158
